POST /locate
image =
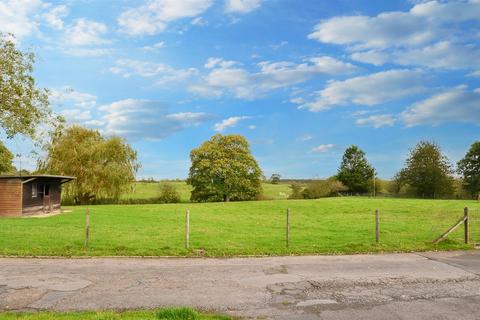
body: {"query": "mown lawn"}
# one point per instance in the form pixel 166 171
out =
pixel 149 190
pixel 330 226
pixel 163 314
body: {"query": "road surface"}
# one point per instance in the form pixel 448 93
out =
pixel 385 286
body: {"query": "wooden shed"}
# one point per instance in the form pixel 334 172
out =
pixel 30 194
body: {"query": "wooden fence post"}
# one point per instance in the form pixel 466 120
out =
pixel 288 228
pixel 465 223
pixel 377 226
pixel 87 229
pixel 187 229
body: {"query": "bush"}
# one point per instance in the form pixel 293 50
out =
pixel 168 194
pixel 324 188
pixel 297 191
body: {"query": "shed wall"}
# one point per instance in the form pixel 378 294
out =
pixel 33 205
pixel 10 197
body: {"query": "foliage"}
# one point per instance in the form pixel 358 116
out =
pixel 297 191
pixel 469 169
pixel 178 314
pixel 103 167
pixel 6 159
pixel 427 172
pixel 355 172
pixel 323 188
pixel 168 193
pixel 224 169
pixel 23 106
pixel 275 178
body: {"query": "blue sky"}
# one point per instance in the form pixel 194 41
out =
pixel 302 80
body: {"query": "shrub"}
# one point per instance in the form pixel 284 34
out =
pixel 168 194
pixel 324 188
pixel 296 191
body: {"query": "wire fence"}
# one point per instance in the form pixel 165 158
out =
pixel 223 231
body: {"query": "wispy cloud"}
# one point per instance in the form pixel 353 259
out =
pixel 323 148
pixel 229 122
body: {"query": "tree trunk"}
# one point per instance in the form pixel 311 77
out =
pixel 226 198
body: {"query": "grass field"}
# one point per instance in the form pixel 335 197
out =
pixel 163 314
pixel 330 225
pixel 149 190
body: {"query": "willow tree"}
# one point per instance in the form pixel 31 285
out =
pixel 223 169
pixel 23 105
pixel 6 160
pixel 104 167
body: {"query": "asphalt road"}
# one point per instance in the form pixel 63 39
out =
pixel 388 286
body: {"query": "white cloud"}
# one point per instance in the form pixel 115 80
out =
pixel 219 62
pixel 377 121
pixel 17 16
pixel 154 15
pixel 86 52
pixel 227 76
pixel 163 73
pixel 453 105
pixel 145 119
pixel 374 57
pixel 384 30
pixel 54 17
pixel 72 98
pixel 323 148
pixel 304 138
pixel 443 55
pixel 424 23
pixel 84 32
pixel 155 46
pixel 229 122
pixel 76 115
pixel 368 90
pixel 241 6
pixel 198 21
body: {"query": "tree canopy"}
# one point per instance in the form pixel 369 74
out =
pixel 275 178
pixel 355 172
pixel 469 168
pixel 224 169
pixel 6 159
pixel 104 167
pixel 23 106
pixel 427 171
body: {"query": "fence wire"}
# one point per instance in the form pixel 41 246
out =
pixel 243 229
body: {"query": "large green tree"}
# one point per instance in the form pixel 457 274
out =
pixel 469 168
pixel 355 172
pixel 104 167
pixel 427 172
pixel 224 169
pixel 23 106
pixel 6 159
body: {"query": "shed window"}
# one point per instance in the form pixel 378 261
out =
pixel 34 190
pixel 43 189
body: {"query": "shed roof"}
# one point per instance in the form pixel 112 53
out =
pixel 37 176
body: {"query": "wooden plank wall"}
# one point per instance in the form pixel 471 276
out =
pixel 10 197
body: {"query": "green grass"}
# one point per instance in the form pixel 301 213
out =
pixel 331 226
pixel 147 190
pixel 163 314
